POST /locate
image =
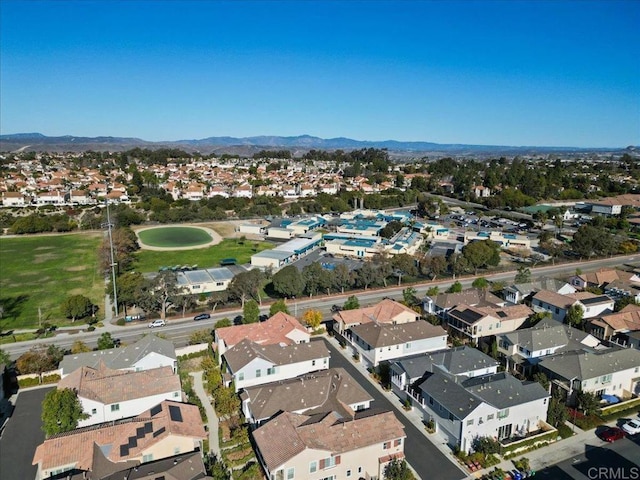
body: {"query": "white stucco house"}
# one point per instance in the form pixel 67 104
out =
pixel 107 395
pixel 558 305
pixel 248 364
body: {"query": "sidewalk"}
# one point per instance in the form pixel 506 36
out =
pixel 212 418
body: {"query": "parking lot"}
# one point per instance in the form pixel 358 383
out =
pixel 22 435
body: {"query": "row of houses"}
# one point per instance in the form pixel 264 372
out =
pixel 137 425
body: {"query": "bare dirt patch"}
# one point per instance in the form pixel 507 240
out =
pixel 77 268
pixel 45 257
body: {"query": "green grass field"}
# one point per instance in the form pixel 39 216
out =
pixel 152 260
pixel 38 272
pixel 174 237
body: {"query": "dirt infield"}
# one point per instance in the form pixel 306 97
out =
pixel 216 238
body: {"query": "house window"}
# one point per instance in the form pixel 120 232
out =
pixel 290 473
pixel 258 373
pixel 470 422
pixel 503 413
pixel 397 442
pixel 386 445
pixel 313 466
pixel 115 407
pixel 451 416
pixel 147 458
pixel 313 363
pixel 490 417
pixel 271 371
pixel 176 394
pixel 329 462
pixel 430 400
pixel 176 450
pixel 240 376
pixel 348 473
pixel 93 411
pixel 408 345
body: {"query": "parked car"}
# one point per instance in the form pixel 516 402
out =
pixel 202 316
pixel 632 427
pixel 336 308
pixel 611 434
pixel 157 323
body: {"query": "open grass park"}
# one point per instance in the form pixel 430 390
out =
pixel 38 272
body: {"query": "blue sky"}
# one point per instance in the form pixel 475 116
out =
pixel 546 73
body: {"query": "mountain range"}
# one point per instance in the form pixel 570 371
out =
pixel 298 144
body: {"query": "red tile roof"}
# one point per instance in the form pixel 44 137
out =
pixel 275 330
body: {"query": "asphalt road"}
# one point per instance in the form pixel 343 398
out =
pixel 22 434
pixel 179 330
pixel 422 455
pixel 619 460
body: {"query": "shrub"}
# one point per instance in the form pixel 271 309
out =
pixel 51 378
pixel 565 431
pixel 120 322
pixel 28 382
pixel 91 328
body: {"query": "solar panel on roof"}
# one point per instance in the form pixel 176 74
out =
pixel 175 413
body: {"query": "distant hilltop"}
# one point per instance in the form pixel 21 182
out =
pixel 298 144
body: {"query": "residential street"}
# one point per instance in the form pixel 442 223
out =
pixel 22 435
pixel 426 459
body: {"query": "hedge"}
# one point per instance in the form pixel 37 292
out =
pixel 550 436
pixel 610 411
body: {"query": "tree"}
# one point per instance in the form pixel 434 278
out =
pixel 481 253
pixel 458 264
pixel 39 359
pixel 523 275
pixel 432 291
pixel 398 469
pixel 106 341
pixel 61 411
pixel 128 288
pixel 79 347
pixel 5 358
pixel 278 306
pixel 288 282
pixel 342 277
pixel 226 401
pixel 557 413
pixel 251 312
pixel 409 296
pixel 313 318
pixel 622 302
pixel 456 287
pixel 575 316
pixel 201 336
pixel 588 402
pixel 481 283
pixel 187 301
pixel 542 379
pixel 245 285
pixel 225 322
pixel 76 306
pixel 437 265
pixel 485 445
pixel 312 277
pixel 158 294
pixel 352 303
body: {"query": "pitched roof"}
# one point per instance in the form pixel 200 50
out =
pixel 111 386
pixel 554 299
pixel 456 361
pixel 383 335
pixel 272 331
pixel 543 283
pixel 472 296
pixel 471 315
pixel 605 275
pixel 585 365
pixel 324 391
pixel 120 440
pixel 179 467
pixel 120 358
pixel 548 333
pixel 385 311
pixel 288 434
pixel 246 351
pixel 626 320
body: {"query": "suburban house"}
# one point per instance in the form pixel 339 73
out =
pixel 149 352
pixel 249 364
pixel 459 362
pixel 328 447
pixel 525 348
pixel 332 390
pixel 558 305
pixel 377 342
pixel 166 430
pixel 387 311
pixel 205 280
pixel 443 302
pixel 107 395
pixel 613 372
pixel 475 323
pixel 465 397
pixel 505 240
pixel 601 278
pixel 521 292
pixel 14 199
pixel 280 329
pixel 618 327
pixel 618 289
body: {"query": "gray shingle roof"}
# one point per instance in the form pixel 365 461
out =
pixel 547 334
pixel 120 358
pixel 587 365
pixel 383 335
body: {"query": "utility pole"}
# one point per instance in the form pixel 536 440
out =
pixel 113 263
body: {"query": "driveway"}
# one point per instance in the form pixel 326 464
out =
pixel 22 434
pixel 424 456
